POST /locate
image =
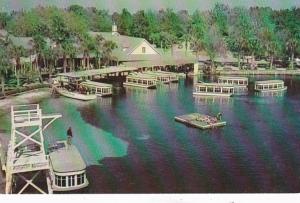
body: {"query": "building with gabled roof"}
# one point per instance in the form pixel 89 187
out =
pixel 138 52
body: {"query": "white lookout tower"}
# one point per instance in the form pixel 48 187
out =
pixel 26 157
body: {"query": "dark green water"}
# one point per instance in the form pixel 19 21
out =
pixel 133 145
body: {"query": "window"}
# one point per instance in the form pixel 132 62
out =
pixel 71 180
pixel 210 89
pixel 225 90
pixel 217 89
pixel 60 181
pixel 143 50
pixel 80 179
pixel 56 180
pixel 202 89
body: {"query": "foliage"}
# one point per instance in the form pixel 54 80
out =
pixel 257 31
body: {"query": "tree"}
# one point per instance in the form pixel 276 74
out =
pixel 16 52
pixel 99 44
pixel 101 21
pixel 240 32
pixel 108 47
pixel 140 25
pixel 292 25
pixel 5 18
pixel 62 36
pixel 214 44
pixel 267 34
pixel 39 49
pixel 220 16
pixel 198 30
pixel 125 22
pixel 5 65
pixel 87 45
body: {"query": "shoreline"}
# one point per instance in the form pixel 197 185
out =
pixel 259 72
pixel 24 97
pixel 20 98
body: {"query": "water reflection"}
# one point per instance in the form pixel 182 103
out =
pixel 279 93
pixel 212 99
pixel 142 94
pixel 104 101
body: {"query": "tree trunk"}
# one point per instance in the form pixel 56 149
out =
pixel 18 79
pixel 292 61
pixel 73 64
pixel 271 62
pixel 239 60
pixel 84 59
pixel 3 84
pixel 65 63
pixel 18 71
pixel 88 61
pixel 44 61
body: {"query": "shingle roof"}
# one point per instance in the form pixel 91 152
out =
pixel 26 42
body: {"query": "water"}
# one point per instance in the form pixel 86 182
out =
pixel 133 145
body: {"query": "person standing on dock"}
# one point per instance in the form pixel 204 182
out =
pixel 69 136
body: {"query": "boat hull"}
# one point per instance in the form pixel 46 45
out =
pixel 75 95
pixel 138 85
pixel 272 90
pixel 212 94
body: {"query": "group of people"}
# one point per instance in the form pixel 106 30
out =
pixel 209 119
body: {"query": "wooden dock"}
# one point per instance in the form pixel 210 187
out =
pixel 201 121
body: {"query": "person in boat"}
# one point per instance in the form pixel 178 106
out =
pixel 69 136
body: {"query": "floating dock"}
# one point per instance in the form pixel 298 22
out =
pixel 201 121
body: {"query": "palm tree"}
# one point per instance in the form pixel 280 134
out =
pixel 291 46
pixel 108 46
pixel 16 52
pixel 86 45
pixel 39 46
pixel 99 44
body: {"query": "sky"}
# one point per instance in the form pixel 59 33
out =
pixel 134 5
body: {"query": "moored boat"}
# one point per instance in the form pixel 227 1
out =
pixel 77 88
pixel 140 80
pixel 269 86
pixel 75 95
pixel 160 77
pixel 240 83
pixel 173 77
pixel 213 89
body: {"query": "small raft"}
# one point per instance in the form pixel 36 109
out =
pixel 201 121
